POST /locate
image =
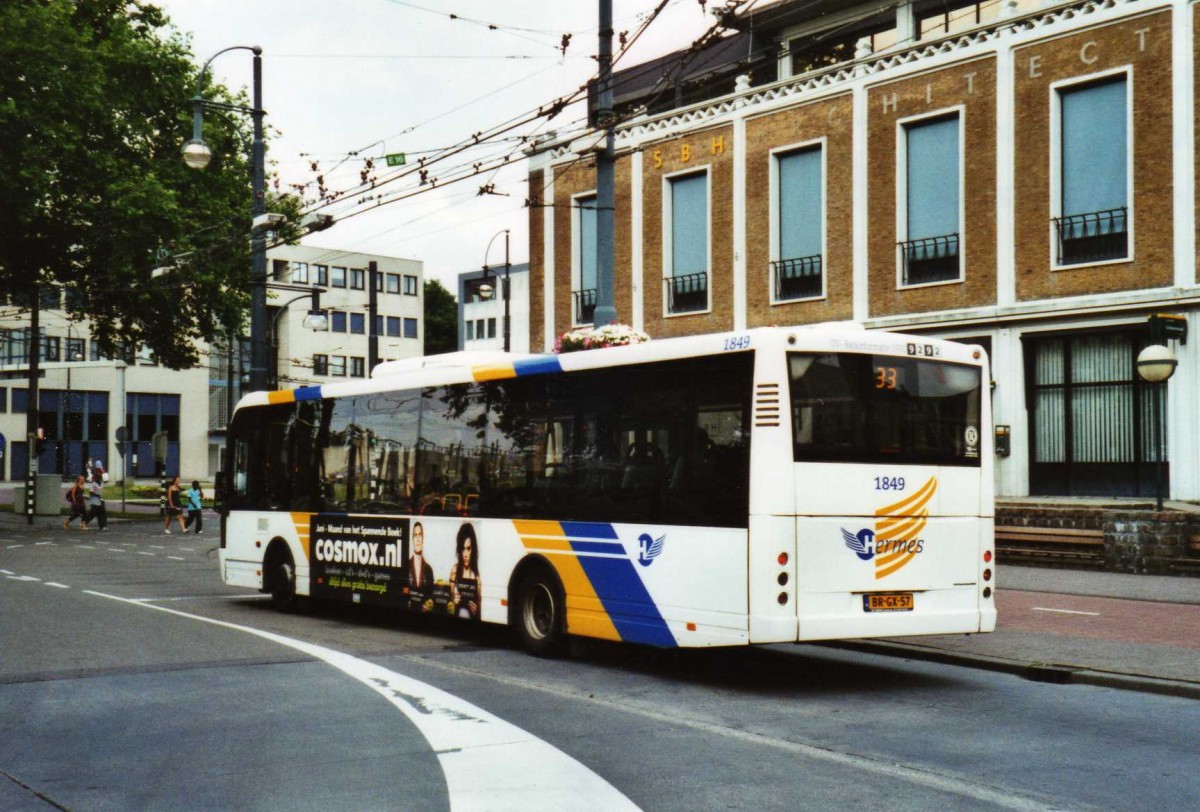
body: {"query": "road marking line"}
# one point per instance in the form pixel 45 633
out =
pixel 15 546
pixel 1064 611
pixel 22 578
pixel 187 549
pixel 43 543
pixel 176 558
pixel 57 585
pixel 143 552
pixel 489 764
pixel 116 550
pixel 7 572
pixel 84 547
pixel 157 547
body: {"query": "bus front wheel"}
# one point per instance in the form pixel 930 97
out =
pixel 281 582
pixel 540 616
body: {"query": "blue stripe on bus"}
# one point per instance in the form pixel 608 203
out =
pixel 307 393
pixel 537 366
pixel 618 586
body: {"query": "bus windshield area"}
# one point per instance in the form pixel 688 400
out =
pixel 853 407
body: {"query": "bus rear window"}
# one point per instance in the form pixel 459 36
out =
pixel 853 407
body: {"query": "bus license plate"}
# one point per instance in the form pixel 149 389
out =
pixel 894 602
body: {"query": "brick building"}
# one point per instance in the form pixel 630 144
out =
pixel 1018 173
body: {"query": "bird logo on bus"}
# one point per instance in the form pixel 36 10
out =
pixel 896 538
pixel 649 548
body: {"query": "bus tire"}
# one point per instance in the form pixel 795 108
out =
pixel 281 582
pixel 539 613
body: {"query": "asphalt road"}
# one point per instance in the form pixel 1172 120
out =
pixel 131 678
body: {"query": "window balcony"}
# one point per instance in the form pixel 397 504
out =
pixel 797 278
pixel 1094 237
pixel 585 306
pixel 932 259
pixel 687 294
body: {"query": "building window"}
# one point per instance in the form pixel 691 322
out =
pixel 393 283
pixel 76 349
pixel 491 325
pixel 1093 225
pixel 322 275
pixel 378 328
pixel 337 322
pixel 410 285
pixel 337 366
pixel 470 330
pixel 299 273
pixel 393 326
pixel 951 16
pixel 320 364
pixel 337 279
pixel 686 220
pixel 358 279
pixel 358 323
pixel 797 273
pixel 933 179
pixel 410 328
pixel 378 281
pixel 51 348
pixel 3 400
pixel 74 300
pixel 831 46
pixel 1091 415
pixel 584 260
pixel 358 367
pixel 279 269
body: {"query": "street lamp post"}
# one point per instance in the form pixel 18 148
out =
pixel 69 355
pixel 1156 364
pixel 197 154
pixel 315 320
pixel 486 290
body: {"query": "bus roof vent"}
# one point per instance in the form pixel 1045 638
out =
pixel 766 404
pixel 463 359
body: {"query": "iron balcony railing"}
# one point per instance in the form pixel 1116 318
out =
pixel 931 259
pixel 688 293
pixel 585 306
pixel 797 278
pixel 1093 237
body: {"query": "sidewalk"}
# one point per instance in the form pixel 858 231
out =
pixel 1134 632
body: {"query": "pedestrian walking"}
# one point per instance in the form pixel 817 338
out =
pixel 195 508
pixel 95 494
pixel 174 509
pixel 77 498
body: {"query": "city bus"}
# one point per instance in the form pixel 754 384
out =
pixel 763 486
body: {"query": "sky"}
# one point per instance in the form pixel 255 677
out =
pixel 355 79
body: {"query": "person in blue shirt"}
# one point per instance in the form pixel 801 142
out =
pixel 195 508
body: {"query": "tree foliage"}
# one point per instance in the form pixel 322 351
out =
pixel 94 108
pixel 441 319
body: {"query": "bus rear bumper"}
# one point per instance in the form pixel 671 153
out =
pixel 834 616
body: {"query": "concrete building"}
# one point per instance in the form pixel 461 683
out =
pixel 481 321
pixel 85 398
pixel 1017 173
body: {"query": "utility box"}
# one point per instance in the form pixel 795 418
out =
pixel 48 496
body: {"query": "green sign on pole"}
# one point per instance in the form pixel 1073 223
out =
pixel 395 159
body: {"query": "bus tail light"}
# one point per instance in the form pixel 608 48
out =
pixel 987 556
pixel 783 598
pixel 987 575
pixel 783 559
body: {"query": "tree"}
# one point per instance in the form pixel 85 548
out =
pixel 94 107
pixel 441 319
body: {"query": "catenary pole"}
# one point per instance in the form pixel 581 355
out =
pixel 606 309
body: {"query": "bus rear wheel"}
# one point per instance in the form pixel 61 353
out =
pixel 540 613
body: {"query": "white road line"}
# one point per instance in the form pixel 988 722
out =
pixel 14 546
pixel 7 572
pixel 21 578
pixel 187 549
pixel 157 547
pixel 57 585
pixel 143 552
pixel 116 550
pixel 84 547
pixel 1064 611
pixel 176 558
pixel 43 543
pixel 488 763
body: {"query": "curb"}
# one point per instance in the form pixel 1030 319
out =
pixel 1034 671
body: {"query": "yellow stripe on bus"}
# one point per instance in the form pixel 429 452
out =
pixel 586 614
pixel 302 522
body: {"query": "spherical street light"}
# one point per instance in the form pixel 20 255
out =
pixel 1156 363
pixel 196 154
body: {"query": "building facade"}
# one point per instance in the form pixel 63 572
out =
pixel 1015 173
pixel 481 318
pixel 86 397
